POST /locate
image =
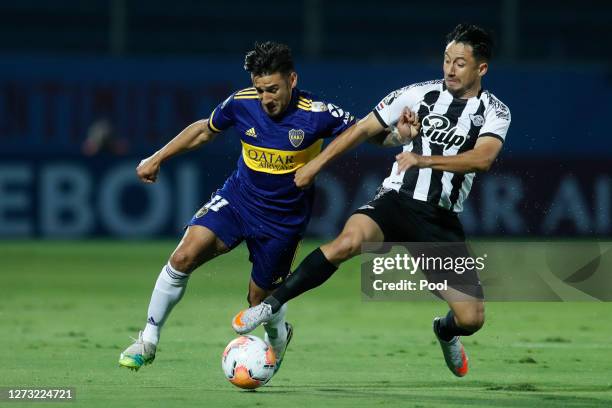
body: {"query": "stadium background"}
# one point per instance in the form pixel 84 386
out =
pixel 137 72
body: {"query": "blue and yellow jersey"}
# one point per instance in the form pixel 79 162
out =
pixel 273 149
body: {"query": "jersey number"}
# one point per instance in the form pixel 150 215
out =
pixel 215 204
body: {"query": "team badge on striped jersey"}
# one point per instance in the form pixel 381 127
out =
pixel 477 120
pixel 296 137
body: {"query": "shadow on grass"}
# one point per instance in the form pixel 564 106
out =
pixel 451 393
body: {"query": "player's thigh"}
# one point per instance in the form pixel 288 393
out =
pixel 364 227
pixel 272 259
pixel 358 229
pixel 463 292
pixel 198 245
pixel 213 230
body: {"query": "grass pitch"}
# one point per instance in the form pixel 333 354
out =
pixel 67 309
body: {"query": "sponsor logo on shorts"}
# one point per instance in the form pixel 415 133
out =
pixel 201 212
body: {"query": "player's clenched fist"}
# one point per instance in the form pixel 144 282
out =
pixel 147 170
pixel 406 160
pixel 408 125
pixel 304 176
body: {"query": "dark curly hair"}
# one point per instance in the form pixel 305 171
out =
pixel 476 36
pixel 268 58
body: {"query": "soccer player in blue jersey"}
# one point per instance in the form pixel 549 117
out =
pixel 281 129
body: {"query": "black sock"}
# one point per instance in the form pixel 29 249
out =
pixel 312 272
pixel 447 328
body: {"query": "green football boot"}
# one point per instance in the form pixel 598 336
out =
pixel 138 354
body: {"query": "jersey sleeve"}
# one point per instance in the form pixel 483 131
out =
pixel 332 118
pixel 389 109
pixel 222 117
pixel 496 121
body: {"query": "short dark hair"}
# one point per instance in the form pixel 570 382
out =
pixel 476 36
pixel 268 58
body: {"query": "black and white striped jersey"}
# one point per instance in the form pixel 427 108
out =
pixel 449 126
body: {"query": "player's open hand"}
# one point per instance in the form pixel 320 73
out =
pixel 147 170
pixel 305 176
pixel 408 125
pixel 406 160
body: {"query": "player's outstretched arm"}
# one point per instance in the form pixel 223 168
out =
pixel 480 158
pixel 390 137
pixel 193 136
pixel 351 137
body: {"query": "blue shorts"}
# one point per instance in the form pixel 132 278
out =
pixel 271 256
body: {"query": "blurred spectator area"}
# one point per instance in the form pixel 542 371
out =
pixel 145 69
pixel 87 88
pixel 540 31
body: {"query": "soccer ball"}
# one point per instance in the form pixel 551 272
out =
pixel 248 362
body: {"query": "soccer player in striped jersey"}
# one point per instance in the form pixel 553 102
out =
pixel 455 128
pixel 281 129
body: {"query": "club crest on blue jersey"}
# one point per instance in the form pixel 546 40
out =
pixel 296 137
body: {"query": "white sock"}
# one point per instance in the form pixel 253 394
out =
pixel 169 289
pixel 276 330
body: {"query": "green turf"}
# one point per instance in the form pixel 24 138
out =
pixel 67 309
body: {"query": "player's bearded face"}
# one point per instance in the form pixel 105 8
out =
pixel 462 72
pixel 274 91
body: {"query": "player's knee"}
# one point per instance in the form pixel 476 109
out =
pixel 471 321
pixel 183 261
pixel 347 245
